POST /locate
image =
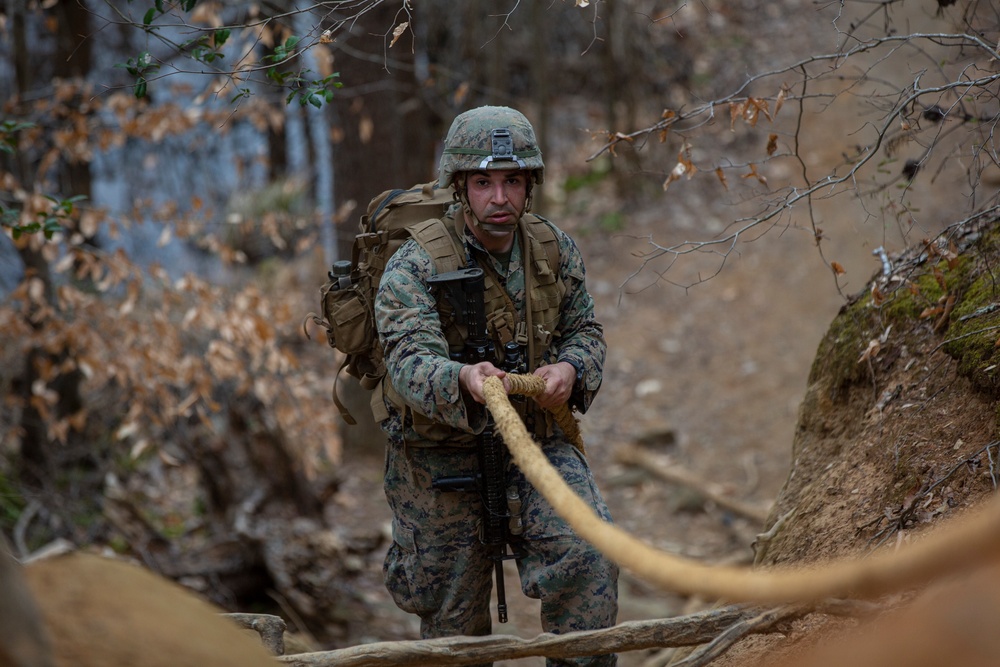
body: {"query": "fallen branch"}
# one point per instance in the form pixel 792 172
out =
pixel 676 475
pixel 631 636
pixel 705 627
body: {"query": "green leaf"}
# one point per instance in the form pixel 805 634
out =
pixel 140 88
pixel 150 15
pixel 243 92
pixel 51 227
pixel 221 37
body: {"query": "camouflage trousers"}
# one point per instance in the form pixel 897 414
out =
pixel 438 569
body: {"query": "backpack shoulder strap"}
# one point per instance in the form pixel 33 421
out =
pixel 437 240
pixel 543 237
pixel 447 253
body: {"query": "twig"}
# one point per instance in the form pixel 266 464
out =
pixel 767 621
pixel 21 527
pixel 762 542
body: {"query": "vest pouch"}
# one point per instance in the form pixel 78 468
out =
pixel 351 330
pixel 435 433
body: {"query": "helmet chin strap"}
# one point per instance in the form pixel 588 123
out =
pixel 462 197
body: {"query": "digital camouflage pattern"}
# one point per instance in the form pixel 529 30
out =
pixel 437 567
pixel 416 350
pixel 469 142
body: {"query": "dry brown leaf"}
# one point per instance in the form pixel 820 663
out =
pixel 206 13
pixel 931 311
pixel 871 351
pixel 939 277
pixel 765 109
pixel 366 129
pixel 750 110
pixel 780 101
pixel 682 168
pixel 722 177
pixel 772 144
pixel 398 32
pixel 754 174
pixel 265 35
pixel 735 111
pixel 755 108
pixel 461 92
pixel 838 269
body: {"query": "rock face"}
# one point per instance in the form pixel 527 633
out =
pixel 898 428
pixel 102 612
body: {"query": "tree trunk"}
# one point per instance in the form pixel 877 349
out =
pixel 70 61
pixel 386 134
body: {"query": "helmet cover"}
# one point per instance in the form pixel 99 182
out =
pixel 487 138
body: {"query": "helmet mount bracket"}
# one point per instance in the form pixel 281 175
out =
pixel 502 149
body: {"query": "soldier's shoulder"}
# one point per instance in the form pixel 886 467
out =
pixel 410 256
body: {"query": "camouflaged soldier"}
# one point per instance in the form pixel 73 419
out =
pixel 437 566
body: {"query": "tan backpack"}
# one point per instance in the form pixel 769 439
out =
pixel 347 298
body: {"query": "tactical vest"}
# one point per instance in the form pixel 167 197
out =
pixel 544 292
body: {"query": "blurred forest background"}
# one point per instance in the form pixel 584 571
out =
pixel 178 176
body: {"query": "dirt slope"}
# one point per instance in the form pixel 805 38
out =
pixel 897 431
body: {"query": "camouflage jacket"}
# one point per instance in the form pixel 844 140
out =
pixel 416 348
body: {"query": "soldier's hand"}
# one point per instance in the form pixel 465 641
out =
pixel 559 380
pixel 471 378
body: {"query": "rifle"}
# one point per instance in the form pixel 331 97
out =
pixel 501 507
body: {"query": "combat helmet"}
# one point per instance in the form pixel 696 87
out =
pixel 490 138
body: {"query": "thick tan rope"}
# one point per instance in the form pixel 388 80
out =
pixel 532 385
pixel 965 542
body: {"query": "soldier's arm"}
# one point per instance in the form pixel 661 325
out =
pixel 581 340
pixel 416 351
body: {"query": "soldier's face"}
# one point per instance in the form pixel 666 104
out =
pixel 497 199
